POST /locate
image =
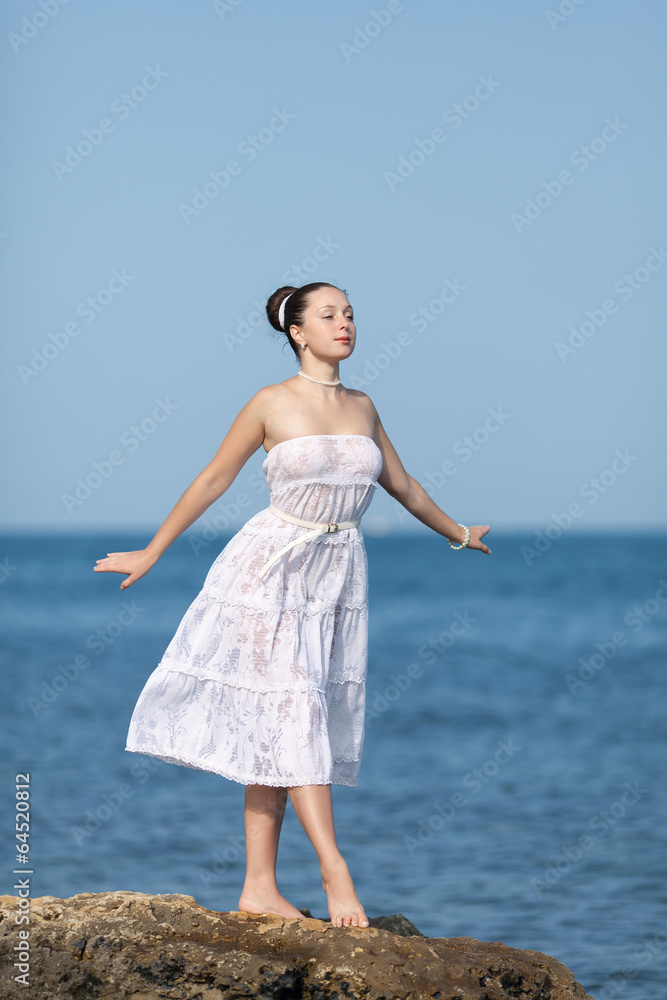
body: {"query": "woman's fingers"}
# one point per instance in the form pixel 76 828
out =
pixel 477 532
pixel 133 564
pixel 111 562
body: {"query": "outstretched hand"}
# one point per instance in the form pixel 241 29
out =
pixel 135 564
pixel 477 532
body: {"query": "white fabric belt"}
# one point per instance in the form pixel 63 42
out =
pixel 321 528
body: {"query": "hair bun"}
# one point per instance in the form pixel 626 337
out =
pixel 274 304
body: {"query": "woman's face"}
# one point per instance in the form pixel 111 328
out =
pixel 328 329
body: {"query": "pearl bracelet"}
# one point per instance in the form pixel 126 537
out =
pixel 464 543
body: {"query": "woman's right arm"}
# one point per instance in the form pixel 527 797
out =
pixel 241 442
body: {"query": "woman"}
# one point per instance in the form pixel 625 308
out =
pixel 264 680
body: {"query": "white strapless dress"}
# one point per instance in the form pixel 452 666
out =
pixel 264 681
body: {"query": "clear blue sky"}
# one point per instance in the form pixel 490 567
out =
pixel 486 181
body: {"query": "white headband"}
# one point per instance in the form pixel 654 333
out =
pixel 281 311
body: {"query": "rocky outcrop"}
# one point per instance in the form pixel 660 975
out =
pixel 120 945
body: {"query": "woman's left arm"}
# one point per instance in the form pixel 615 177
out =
pixel 412 495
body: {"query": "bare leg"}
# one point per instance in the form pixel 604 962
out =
pixel 314 809
pixel 264 812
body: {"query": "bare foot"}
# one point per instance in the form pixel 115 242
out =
pixel 345 909
pixel 256 901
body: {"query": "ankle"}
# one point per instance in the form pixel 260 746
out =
pixel 261 884
pixel 333 866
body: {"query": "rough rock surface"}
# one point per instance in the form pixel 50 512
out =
pixel 118 945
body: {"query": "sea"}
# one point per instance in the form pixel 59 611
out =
pixel 512 786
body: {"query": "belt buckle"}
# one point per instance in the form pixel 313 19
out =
pixel 331 526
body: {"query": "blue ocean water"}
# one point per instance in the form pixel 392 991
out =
pixel 512 785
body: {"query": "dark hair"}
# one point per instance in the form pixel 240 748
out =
pixel 295 309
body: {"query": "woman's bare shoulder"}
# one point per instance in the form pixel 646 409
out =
pixel 269 393
pixel 364 400
pixel 271 399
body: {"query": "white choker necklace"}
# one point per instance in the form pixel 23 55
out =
pixel 320 380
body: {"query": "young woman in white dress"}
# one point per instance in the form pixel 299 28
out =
pixel 320 328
